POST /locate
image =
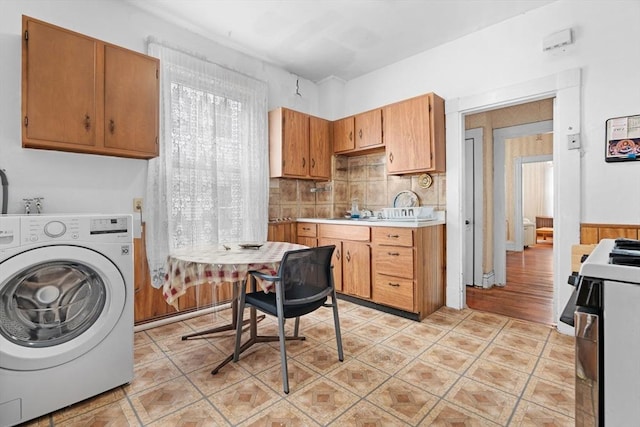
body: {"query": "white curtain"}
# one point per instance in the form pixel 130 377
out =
pixel 210 183
pixel 537 190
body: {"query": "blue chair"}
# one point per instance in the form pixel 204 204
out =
pixel 302 285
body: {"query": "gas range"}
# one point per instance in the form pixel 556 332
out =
pixel 616 260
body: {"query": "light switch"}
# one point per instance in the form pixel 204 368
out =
pixel 573 141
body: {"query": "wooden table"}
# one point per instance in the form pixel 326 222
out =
pixel 216 264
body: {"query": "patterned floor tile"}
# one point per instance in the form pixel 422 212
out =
pixel 489 319
pixel 446 414
pixel 476 329
pixel 352 344
pixel 175 345
pixel 519 342
pixel 557 338
pixel 463 343
pixel 209 383
pixel 428 377
pixel 320 331
pixel 447 358
pixel 169 330
pixel 442 320
pixel 374 332
pixel 322 359
pixel 243 400
pixel 323 400
pixel 115 414
pixel 206 321
pixel 425 331
pixel 141 338
pixel 200 414
pixel 407 343
pixel 367 415
pixel 259 357
pixel 197 357
pixel 452 312
pixel 349 322
pixel 358 377
pixel 551 370
pixel 531 415
pixel 534 330
pixel 551 395
pixel 283 414
pixel 115 395
pixel 151 374
pixel 298 374
pixel 514 359
pixel 483 400
pixel 403 400
pixel 385 359
pixel 146 353
pixel 392 321
pixel 498 376
pixel 365 313
pixel 560 353
pixel 159 401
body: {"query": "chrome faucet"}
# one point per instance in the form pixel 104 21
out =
pixel 27 206
pixel 39 204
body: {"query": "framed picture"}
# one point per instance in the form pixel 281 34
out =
pixel 622 139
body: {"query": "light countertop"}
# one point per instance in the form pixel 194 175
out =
pixel 374 222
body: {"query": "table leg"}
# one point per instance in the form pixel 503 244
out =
pixel 234 316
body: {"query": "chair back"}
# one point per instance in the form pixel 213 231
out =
pixel 306 275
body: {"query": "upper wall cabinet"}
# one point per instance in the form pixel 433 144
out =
pixel 358 133
pixel 83 95
pixel 299 145
pixel 414 135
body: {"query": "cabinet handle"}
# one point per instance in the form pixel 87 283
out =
pixel 87 122
pixel 313 163
pixel 338 255
pixel 395 285
pixel 390 157
pixel 306 228
pixel 393 253
pixel 112 126
pixel 348 257
pixel 360 133
pixel 304 162
pixel 351 136
pixel 393 236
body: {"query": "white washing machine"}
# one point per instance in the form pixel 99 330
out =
pixel 66 311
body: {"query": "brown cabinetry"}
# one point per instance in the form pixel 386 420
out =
pixel 414 135
pixel 299 145
pixel 358 133
pixel 593 233
pixel 83 95
pixel 282 232
pixel 352 258
pixel 408 268
pixel 307 234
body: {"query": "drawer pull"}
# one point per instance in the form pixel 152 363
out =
pixel 393 236
pixel 348 257
pixel 395 285
pixel 338 255
pixel 306 228
pixel 393 253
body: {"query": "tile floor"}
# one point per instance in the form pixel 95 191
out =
pixel 463 368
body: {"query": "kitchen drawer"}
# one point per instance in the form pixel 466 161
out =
pixel 392 236
pixel 306 229
pixel 393 260
pixel 345 232
pixel 393 291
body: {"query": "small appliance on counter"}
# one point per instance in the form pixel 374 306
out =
pixel 607 330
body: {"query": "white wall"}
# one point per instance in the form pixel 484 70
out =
pixel 82 183
pixel 606 48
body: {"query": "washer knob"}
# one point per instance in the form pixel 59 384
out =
pixel 55 229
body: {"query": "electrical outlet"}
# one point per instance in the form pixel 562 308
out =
pixel 137 204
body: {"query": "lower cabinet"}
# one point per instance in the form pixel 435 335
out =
pixel 352 257
pixel 282 232
pixel 307 234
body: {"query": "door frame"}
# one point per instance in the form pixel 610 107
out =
pixel 565 87
pixel 499 197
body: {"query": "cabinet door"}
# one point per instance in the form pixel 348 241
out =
pixel 336 261
pixel 319 148
pixel 59 101
pixel 343 136
pixel 368 129
pixel 356 269
pixel 131 101
pixel 407 137
pixel 295 143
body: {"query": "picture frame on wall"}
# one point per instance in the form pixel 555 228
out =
pixel 622 141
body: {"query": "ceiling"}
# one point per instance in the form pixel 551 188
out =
pixel 342 38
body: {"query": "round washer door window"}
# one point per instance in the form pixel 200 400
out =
pixel 56 303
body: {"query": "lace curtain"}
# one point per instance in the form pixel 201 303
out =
pixel 210 183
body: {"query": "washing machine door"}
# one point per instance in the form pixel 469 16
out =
pixel 56 304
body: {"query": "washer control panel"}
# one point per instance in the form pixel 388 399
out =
pixel 50 228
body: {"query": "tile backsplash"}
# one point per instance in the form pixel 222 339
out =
pixel 362 177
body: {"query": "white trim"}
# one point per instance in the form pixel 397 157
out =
pixel 478 199
pixel 180 317
pixel 565 86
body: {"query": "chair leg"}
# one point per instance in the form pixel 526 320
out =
pixel 241 304
pixel 296 327
pixel 283 353
pixel 336 322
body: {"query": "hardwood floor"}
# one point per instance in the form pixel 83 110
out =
pixel 528 294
